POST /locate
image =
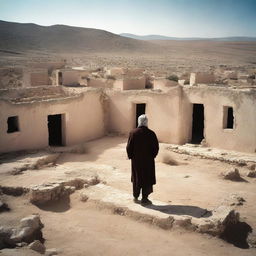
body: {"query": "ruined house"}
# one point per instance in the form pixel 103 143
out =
pixel 33 118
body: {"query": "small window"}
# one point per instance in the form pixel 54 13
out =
pixel 228 118
pixel 13 124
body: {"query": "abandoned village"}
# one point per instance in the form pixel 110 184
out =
pixel 54 105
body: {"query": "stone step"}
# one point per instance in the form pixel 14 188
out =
pixel 161 214
pixel 228 156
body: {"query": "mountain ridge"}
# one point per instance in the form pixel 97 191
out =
pixel 161 37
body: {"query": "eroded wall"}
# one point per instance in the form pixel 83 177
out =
pixel 243 135
pixel 84 120
pixel 134 83
pixel 201 78
pixel 39 79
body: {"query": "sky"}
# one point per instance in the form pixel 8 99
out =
pixel 178 18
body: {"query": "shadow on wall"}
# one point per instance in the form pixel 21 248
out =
pixel 193 211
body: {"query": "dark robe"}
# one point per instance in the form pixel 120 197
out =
pixel 142 147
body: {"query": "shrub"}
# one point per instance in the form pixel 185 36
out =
pixel 173 78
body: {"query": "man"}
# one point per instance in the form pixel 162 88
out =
pixel 142 147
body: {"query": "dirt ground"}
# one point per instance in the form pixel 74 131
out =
pixel 87 228
pixel 176 57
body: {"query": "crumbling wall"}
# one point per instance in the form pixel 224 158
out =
pixel 242 137
pixel 39 79
pixel 83 116
pixel 202 78
pixel 134 83
pixel 68 77
pixel 10 78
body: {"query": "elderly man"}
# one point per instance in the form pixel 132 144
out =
pixel 142 148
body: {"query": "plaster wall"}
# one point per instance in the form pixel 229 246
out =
pixel 39 79
pixel 69 77
pixel 201 78
pixel 83 121
pixel 162 110
pixel 243 135
pixel 134 83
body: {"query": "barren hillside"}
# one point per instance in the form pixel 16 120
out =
pixel 60 38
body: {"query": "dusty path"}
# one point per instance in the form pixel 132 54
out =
pixel 85 228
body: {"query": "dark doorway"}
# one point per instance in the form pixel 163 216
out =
pixel 55 130
pixel 228 118
pixel 198 123
pixel 140 110
pixel 60 78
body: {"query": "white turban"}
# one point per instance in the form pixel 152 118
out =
pixel 142 121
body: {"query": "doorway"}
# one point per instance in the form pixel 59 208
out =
pixel 198 124
pixel 55 130
pixel 140 110
pixel 60 78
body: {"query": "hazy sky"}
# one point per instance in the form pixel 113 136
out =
pixel 181 18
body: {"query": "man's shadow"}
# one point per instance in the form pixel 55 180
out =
pixel 193 211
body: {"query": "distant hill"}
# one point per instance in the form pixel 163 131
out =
pixel 159 37
pixel 61 38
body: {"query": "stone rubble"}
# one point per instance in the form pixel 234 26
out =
pixel 45 193
pixel 251 174
pixel 37 246
pixel 28 231
pixel 233 175
pixel 4 207
pixel 51 252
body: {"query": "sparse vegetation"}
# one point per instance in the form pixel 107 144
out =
pixel 173 78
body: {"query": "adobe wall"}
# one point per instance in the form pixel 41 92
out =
pixel 242 137
pixel 162 110
pixel 134 83
pixel 69 77
pixel 201 78
pixel 39 79
pixel 33 134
